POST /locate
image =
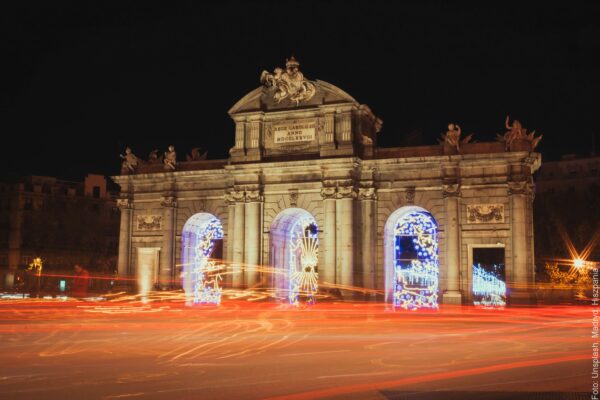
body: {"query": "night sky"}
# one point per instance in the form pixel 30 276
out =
pixel 82 80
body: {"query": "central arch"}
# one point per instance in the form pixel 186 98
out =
pixel 294 255
pixel 201 244
pixel 411 258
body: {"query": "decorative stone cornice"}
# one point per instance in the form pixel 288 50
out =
pixel 451 190
pixel 168 201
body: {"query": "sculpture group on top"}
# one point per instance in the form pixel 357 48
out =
pixel 289 83
pixel 452 137
pixel 168 159
pixel 516 132
pixel 130 161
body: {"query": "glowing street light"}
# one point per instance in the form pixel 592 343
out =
pixel 578 263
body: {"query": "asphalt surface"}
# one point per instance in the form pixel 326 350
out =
pixel 125 349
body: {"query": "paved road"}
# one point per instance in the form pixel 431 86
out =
pixel 249 350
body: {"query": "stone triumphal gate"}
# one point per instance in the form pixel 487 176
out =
pixel 411 223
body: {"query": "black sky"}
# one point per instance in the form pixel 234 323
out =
pixel 82 80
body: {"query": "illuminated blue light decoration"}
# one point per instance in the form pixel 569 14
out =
pixel 489 289
pixel 304 254
pixel 416 263
pixel 201 274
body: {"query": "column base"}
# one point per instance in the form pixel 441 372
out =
pixel 452 297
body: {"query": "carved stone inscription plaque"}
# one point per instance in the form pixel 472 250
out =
pixel 294 131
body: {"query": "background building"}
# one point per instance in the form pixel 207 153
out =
pixel 567 208
pixel 60 221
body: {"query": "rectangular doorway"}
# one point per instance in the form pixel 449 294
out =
pixel 147 269
pixel 488 276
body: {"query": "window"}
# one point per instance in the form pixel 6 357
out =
pixel 96 192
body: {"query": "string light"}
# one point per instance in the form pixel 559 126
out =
pixel 489 289
pixel 304 253
pixel 416 283
pixel 204 274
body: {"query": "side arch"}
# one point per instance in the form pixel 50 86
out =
pixel 411 262
pixel 201 241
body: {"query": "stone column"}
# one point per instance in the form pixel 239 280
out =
pixel 451 195
pixel 368 233
pixel 169 205
pixel 227 278
pixel 252 237
pixel 519 290
pixel 238 239
pixel 125 206
pixel 345 240
pixel 327 266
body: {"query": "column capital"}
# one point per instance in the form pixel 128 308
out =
pixel 367 193
pixel 234 196
pixel 328 192
pixel 168 202
pixel 253 196
pixel 124 204
pixel 519 188
pixel 329 189
pixel 346 192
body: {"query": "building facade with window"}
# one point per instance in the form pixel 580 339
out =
pixel 308 204
pixel 60 221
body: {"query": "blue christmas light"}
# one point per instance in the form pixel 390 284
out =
pixel 489 290
pixel 416 279
pixel 202 273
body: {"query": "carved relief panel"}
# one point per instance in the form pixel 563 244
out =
pixel 485 213
pixel 149 222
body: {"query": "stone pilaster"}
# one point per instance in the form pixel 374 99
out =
pixel 327 267
pixel 520 285
pixel 252 235
pixel 167 260
pixel 238 238
pixel 345 234
pixel 229 200
pixel 451 194
pixel 367 197
pixel 125 205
